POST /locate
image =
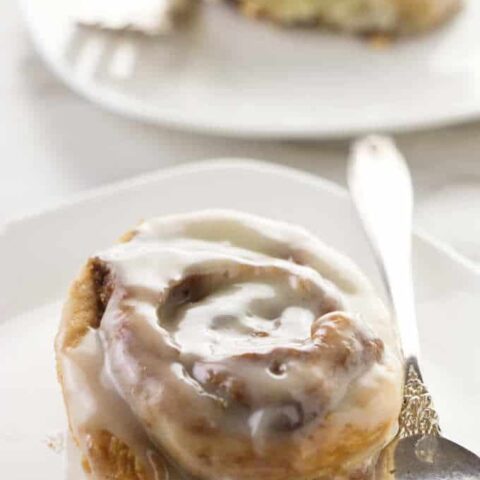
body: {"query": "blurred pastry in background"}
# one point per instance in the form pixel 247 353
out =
pixel 369 17
pixel 397 17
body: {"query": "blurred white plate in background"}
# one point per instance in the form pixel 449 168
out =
pixel 226 74
pixel 41 254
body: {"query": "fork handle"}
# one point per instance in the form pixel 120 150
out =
pixel 381 189
pixel 382 193
pixel 418 415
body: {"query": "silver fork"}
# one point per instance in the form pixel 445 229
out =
pixel 109 35
pixel 381 190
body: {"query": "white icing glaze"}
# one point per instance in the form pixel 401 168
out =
pixel 200 329
pixel 151 17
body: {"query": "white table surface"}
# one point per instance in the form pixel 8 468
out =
pixel 54 144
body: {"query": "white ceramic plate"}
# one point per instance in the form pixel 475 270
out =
pixel 39 256
pixel 229 75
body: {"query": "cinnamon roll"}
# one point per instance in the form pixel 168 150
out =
pixel 219 345
pixel 356 16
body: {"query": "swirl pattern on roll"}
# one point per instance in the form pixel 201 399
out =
pixel 227 346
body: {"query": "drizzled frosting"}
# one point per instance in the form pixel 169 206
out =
pixel 227 337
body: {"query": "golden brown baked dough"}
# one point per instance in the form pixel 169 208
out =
pixel 125 428
pixel 111 457
pixel 356 16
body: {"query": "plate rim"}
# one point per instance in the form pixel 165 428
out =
pixel 219 163
pixel 121 106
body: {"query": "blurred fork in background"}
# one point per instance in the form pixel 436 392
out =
pixel 108 34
